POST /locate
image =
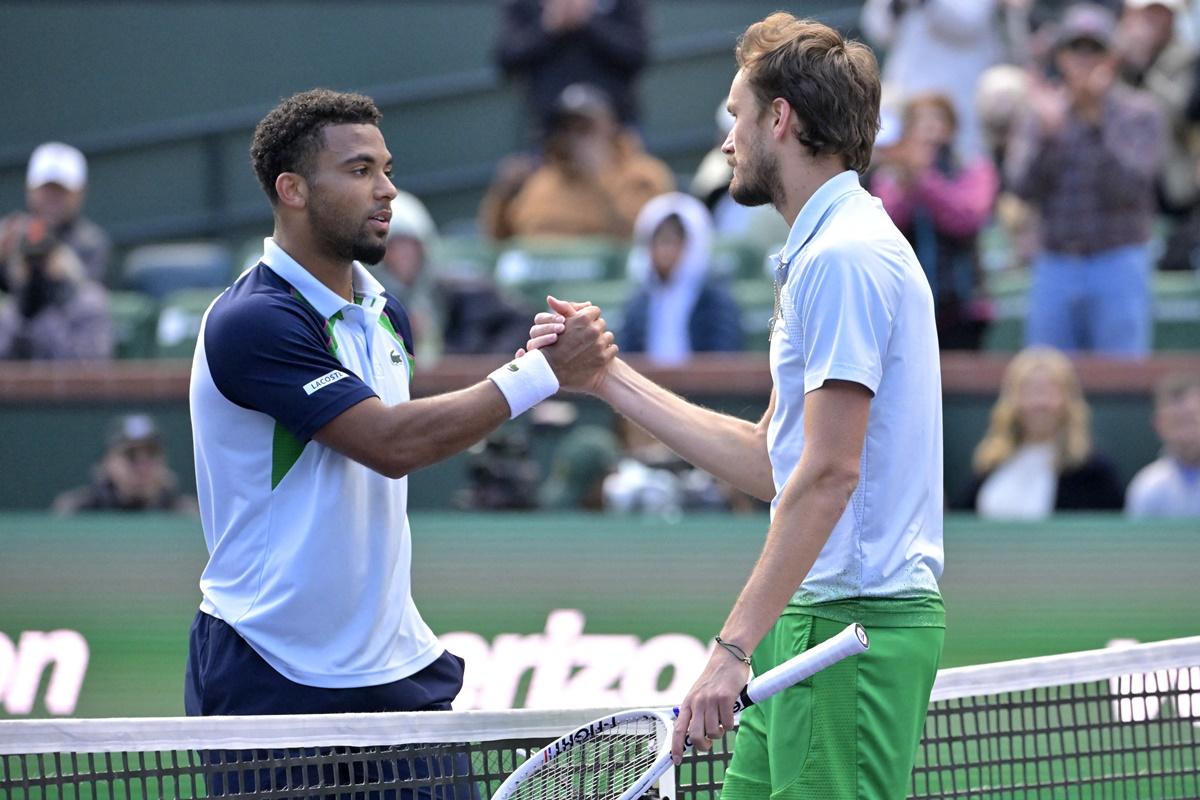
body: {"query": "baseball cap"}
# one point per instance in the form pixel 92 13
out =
pixel 133 429
pixel 1171 5
pixel 55 162
pixel 1087 21
pixel 582 100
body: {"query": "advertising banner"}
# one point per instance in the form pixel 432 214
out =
pixel 554 611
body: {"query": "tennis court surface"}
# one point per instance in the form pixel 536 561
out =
pixel 1117 723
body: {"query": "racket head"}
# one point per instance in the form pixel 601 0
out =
pixel 599 760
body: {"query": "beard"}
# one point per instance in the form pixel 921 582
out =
pixel 336 231
pixel 756 182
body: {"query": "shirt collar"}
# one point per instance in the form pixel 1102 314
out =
pixel 813 213
pixel 318 295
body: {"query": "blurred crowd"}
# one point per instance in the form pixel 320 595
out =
pixel 1052 146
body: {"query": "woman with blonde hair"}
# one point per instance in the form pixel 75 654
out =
pixel 1037 455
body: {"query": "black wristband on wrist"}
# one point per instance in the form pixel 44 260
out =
pixel 736 651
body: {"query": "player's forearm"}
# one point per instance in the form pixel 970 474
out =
pixel 732 449
pixel 396 440
pixel 432 429
pixel 812 504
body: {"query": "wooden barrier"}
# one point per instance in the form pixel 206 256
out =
pixel 738 374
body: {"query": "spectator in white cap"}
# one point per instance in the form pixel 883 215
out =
pixel 55 186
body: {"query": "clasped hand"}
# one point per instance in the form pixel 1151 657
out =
pixel 575 340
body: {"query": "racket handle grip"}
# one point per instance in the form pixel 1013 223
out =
pixel 852 640
pixel 743 702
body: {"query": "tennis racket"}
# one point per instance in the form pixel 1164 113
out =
pixel 620 756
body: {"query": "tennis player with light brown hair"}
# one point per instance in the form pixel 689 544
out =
pixel 849 451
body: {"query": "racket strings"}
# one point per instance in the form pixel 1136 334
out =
pixel 601 768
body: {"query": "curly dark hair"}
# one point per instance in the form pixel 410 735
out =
pixel 289 137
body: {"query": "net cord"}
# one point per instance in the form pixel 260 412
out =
pixel 364 730
pixel 1064 670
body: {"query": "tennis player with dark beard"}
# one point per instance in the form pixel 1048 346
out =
pixel 305 430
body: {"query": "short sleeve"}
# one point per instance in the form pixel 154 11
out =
pixel 845 322
pixel 269 354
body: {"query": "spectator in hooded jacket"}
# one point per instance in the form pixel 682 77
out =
pixel 678 307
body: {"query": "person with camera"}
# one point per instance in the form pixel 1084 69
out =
pixel 53 310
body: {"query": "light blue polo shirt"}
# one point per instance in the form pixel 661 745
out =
pixel 309 551
pixel 854 305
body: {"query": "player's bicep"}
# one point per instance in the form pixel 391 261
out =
pixel 275 361
pixel 835 426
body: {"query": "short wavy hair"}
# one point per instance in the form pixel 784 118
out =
pixel 289 137
pixel 830 82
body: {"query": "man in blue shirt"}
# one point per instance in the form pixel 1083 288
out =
pixel 304 431
pixel 849 452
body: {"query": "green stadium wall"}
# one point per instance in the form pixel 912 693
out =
pixel 94 611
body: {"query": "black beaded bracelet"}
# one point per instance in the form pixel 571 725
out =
pixel 737 652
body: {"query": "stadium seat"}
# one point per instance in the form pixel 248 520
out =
pixel 134 317
pixel 533 267
pixel 548 260
pixel 738 259
pixel 463 257
pixel 756 301
pixel 1176 311
pixel 160 269
pixel 179 322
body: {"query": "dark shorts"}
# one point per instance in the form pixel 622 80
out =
pixel 226 676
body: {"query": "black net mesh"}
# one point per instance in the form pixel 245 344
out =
pixel 1135 737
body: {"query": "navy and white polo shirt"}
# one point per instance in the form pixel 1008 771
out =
pixel 309 551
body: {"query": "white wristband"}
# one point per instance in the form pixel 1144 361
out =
pixel 525 382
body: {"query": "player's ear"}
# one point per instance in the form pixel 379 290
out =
pixel 782 118
pixel 292 189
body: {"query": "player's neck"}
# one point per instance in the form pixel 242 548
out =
pixel 802 179
pixel 337 274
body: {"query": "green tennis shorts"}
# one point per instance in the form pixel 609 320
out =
pixel 851 731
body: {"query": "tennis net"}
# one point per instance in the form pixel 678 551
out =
pixel 1115 723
